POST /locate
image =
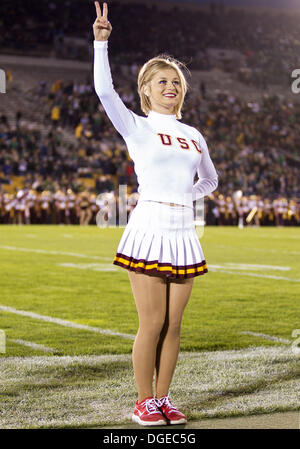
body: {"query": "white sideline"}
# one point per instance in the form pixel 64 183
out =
pixel 262 250
pixel 267 337
pixel 215 356
pixel 32 345
pixel 248 266
pixel 66 323
pixel 267 276
pixel 55 253
pixel 212 267
pixel 90 266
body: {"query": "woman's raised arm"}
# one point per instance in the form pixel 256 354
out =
pixel 121 117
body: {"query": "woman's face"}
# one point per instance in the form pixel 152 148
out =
pixel 164 91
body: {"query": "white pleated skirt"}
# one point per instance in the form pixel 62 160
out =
pixel 161 239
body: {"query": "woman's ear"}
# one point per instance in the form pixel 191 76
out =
pixel 146 90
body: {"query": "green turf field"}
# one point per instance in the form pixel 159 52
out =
pixel 66 273
pixel 61 296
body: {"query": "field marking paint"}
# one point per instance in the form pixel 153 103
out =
pixel 266 276
pixel 89 266
pixel 267 337
pixel 245 266
pixel 240 371
pixel 32 345
pixel 226 355
pixel 56 253
pixel 260 235
pixel 66 323
pixel 273 251
pixel 2 342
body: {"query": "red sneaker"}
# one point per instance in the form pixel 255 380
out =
pixel 173 415
pixel 147 413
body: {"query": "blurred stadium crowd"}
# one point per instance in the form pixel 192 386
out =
pixel 267 44
pixel 254 146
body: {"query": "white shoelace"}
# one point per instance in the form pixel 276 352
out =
pixel 152 405
pixel 166 401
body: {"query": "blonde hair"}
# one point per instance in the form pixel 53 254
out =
pixel 149 70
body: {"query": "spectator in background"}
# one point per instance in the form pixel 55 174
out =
pixel 43 87
pixel 104 184
pixel 85 209
pixel 3 120
pixel 18 118
pixel 9 80
pixel 55 115
pixel 78 131
pixel 7 168
pixel 203 90
pixel 22 167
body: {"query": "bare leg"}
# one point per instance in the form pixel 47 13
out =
pixel 81 219
pixel 168 347
pixel 150 297
pixel 88 217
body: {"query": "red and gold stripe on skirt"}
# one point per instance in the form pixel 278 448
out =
pixel 159 268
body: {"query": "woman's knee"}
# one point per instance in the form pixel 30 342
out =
pixel 174 328
pixel 152 327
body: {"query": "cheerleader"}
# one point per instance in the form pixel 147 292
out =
pixel 285 206
pixel 60 204
pixel 238 207
pixel 71 215
pixel 20 207
pixel 44 210
pixel 159 246
pixel 252 203
pixel 267 213
pixel 32 197
pixel 94 207
pixel 230 212
pixel 293 213
pixel 279 209
pixel 84 204
pixel 8 208
pixel 221 204
pixel 245 208
pixel 259 215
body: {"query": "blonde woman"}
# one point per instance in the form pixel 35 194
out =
pixel 159 246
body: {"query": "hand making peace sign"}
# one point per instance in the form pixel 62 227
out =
pixel 102 27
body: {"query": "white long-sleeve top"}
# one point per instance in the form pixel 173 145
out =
pixel 166 153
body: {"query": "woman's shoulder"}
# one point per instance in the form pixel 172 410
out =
pixel 192 129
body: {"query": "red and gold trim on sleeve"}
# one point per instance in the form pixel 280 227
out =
pixel 160 269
